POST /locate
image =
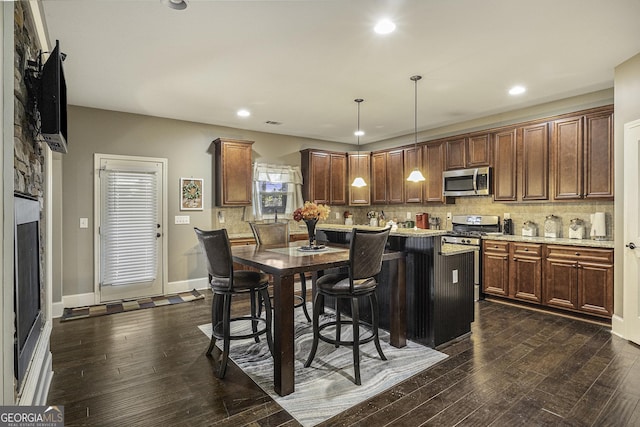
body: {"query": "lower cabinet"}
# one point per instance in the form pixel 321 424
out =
pixel 572 278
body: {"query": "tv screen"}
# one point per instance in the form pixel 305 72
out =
pixel 53 102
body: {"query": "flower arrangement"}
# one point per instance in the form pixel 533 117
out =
pixel 372 214
pixel 311 211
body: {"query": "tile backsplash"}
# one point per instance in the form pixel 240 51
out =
pixel 236 219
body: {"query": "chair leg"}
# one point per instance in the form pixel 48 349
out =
pixel 338 322
pixel 375 315
pixel 355 317
pixel 267 305
pixel 215 316
pixel 254 313
pixel 226 328
pixel 318 303
pixel 303 289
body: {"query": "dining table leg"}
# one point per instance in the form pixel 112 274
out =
pixel 283 345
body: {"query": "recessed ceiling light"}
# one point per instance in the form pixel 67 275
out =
pixel 243 113
pixel 384 26
pixel 175 4
pixel 517 90
pixel 359 133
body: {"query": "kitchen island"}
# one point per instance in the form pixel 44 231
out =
pixel 439 282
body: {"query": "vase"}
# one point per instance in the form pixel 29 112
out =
pixel 311 230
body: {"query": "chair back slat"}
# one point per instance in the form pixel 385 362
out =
pixel 274 233
pixel 365 253
pixel 217 249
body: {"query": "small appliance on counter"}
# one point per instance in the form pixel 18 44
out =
pixel 552 226
pixel 507 226
pixel 529 229
pixel 434 222
pixel 598 226
pixel 576 229
pixel 422 220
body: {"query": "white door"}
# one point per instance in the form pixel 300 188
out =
pixel 632 230
pixel 130 239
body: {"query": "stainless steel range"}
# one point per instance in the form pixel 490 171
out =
pixel 468 230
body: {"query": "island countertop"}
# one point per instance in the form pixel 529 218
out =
pixel 404 232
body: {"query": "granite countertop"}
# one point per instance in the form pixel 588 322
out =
pixel 448 249
pixel 603 244
pixel 405 232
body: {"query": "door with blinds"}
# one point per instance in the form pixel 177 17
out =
pixel 130 242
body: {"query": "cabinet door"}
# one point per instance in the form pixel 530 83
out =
pixel 379 178
pixel 359 166
pixel 338 178
pixel 567 158
pixel 598 155
pixel 456 154
pixel 495 267
pixel 433 162
pixel 412 160
pixel 319 177
pixel 526 272
pixel 561 283
pixel 478 150
pixel 595 288
pixel 504 171
pixel 535 162
pixel 233 172
pixel 395 176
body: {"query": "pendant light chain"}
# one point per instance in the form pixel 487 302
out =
pixel 415 175
pixel 358 181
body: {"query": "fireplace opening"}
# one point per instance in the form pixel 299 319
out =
pixel 27 295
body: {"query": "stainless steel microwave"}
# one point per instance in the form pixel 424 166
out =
pixel 467 182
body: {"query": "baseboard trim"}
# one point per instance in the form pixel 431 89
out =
pixel 186 285
pixel 618 326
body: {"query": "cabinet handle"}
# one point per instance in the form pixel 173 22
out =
pixel 577 253
pixel 526 249
pixel 515 259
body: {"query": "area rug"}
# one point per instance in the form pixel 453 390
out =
pixel 326 388
pixel 128 305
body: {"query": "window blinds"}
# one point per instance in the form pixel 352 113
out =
pixel 128 229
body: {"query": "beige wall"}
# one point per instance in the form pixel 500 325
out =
pixel 188 147
pixel 627 109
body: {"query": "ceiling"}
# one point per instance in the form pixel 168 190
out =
pixel 302 63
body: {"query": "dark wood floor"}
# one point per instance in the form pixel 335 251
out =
pixel 519 367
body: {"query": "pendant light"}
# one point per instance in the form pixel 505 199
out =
pixel 358 181
pixel 416 175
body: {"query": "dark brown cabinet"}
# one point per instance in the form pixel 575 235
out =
pixel 359 165
pixel 233 172
pixel 469 152
pixel 582 157
pixel 505 166
pixel 324 177
pixel 579 279
pixel 495 267
pixel 433 161
pixel 525 272
pixel 412 160
pixel 387 177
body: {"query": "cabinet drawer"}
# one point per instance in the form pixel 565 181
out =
pixel 527 249
pixel 580 253
pixel 495 246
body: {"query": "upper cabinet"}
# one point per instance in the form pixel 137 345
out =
pixel 533 151
pixel 505 166
pixel 359 165
pixel 233 172
pixel 433 161
pixel 582 156
pixel 412 160
pixel 468 152
pixel 324 175
pixel 387 177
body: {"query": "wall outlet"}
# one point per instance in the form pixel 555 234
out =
pixel 84 222
pixel 182 219
pixel 221 217
pixel 448 216
pixel 337 215
pixel 507 215
pixel 455 276
pixel 408 215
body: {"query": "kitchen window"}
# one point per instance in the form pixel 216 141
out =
pixel 277 190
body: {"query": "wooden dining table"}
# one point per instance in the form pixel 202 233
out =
pixel 284 263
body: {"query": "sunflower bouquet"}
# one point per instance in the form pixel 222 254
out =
pixel 311 211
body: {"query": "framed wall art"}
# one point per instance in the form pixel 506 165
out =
pixel 191 194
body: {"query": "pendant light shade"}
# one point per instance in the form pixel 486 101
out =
pixel 358 181
pixel 415 175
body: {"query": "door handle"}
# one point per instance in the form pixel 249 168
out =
pixel 631 245
pixel 158 235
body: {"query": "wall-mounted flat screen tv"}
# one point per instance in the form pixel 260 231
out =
pixel 53 102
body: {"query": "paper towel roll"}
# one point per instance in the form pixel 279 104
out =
pixel 598 225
